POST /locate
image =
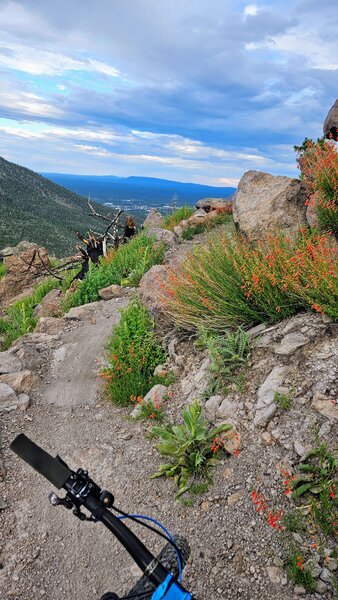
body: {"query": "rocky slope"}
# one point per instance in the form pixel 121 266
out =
pixel 47 552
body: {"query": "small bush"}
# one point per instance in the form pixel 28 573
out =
pixel 172 219
pixel 133 354
pixel 318 163
pixel 232 282
pixel 125 266
pixel 219 217
pixel 19 317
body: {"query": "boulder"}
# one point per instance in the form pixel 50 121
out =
pixel 22 246
pixel 50 305
pixel 264 203
pixel 154 219
pixel 9 363
pixel 200 216
pixel 209 204
pixel 330 127
pixel 22 271
pixel 162 235
pixel 8 398
pixel 23 381
pixel 50 325
pixel 112 291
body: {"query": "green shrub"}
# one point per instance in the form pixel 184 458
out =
pixel 172 219
pixel 125 266
pixel 191 447
pixel 19 317
pixel 232 282
pixel 221 218
pixel 133 354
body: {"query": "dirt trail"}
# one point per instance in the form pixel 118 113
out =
pixel 48 553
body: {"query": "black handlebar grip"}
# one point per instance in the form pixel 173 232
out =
pixel 56 472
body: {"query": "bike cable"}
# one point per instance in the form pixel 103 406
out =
pixel 168 537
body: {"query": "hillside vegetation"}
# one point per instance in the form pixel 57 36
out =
pixel 40 211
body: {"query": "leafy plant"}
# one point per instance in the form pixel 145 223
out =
pixel 282 400
pixel 191 447
pixel 133 353
pixel 317 471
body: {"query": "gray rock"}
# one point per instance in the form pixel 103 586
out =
pixel 154 219
pixel 326 575
pixel 211 407
pixel 290 343
pixel 331 563
pixel 8 398
pixel 274 574
pixel 30 358
pixel 50 325
pixel 3 503
pixel 112 291
pixel 162 235
pixel 266 407
pixel 264 203
pixel 23 402
pixel 321 587
pixel 227 409
pixel 9 363
pixel 314 568
pixel 50 305
pixel 299 448
pixel 299 590
pixel 23 381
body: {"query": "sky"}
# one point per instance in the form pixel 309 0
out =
pixel 190 90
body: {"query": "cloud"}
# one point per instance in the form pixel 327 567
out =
pixel 190 86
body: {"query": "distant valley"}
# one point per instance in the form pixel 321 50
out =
pixel 49 209
pixel 138 194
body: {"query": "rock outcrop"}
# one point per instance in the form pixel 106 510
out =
pixel 22 271
pixel 264 203
pixel 330 127
pixel 154 219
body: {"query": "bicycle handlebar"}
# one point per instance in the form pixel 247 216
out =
pixel 83 491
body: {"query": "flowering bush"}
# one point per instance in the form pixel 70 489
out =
pixel 232 282
pixel 318 163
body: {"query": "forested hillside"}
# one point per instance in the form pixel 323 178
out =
pixel 36 209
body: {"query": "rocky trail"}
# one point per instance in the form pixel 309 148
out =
pixel 47 552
